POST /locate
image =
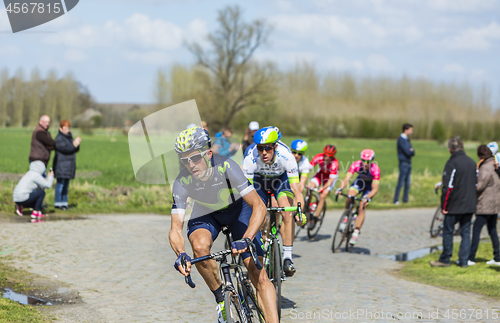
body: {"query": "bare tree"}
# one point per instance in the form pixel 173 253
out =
pixel 18 99
pixel 34 102
pixel 4 80
pixel 50 95
pixel 161 90
pixel 238 81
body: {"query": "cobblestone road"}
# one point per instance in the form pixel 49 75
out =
pixel 122 267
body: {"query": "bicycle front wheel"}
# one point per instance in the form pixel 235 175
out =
pixel 255 312
pixel 437 223
pixel 312 232
pixel 340 233
pixel 232 307
pixel 276 269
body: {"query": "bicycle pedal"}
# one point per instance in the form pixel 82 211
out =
pixel 283 279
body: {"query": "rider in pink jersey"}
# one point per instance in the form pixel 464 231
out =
pixel 366 183
pixel 326 176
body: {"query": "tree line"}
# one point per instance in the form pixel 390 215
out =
pixel 24 99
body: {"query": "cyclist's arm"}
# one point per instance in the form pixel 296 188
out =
pixel 329 182
pixel 346 180
pixel 298 197
pixel 258 213
pixel 303 180
pixel 375 185
pixel 175 235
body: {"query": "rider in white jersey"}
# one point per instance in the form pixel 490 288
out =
pixel 272 167
pixel 299 147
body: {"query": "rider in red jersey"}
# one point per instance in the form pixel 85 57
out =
pixel 326 176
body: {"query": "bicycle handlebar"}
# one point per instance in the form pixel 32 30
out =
pixel 348 196
pixel 219 256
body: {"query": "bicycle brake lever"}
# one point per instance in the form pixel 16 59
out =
pixel 189 281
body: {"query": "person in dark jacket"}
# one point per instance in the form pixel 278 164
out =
pixel 41 141
pixel 64 163
pixel 248 137
pixel 458 202
pixel 488 204
pixel 405 153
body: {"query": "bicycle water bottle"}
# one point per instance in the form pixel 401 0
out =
pixel 353 222
pixel 312 207
pixel 343 225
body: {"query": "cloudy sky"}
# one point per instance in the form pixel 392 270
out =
pixel 114 47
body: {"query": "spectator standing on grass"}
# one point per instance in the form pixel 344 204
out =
pixel 29 192
pixel 225 147
pixel 405 153
pixel 41 141
pixel 64 163
pixel 458 202
pixel 488 204
pixel 493 146
pixel 248 137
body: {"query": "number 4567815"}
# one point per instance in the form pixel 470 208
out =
pixel 33 7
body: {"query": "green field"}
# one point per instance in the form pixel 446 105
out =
pixel 480 278
pixel 108 183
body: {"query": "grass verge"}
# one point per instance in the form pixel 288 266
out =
pixel 11 311
pixel 480 278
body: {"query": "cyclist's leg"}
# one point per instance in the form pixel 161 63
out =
pixel 266 296
pixel 354 190
pixel 202 231
pixel 361 210
pixel 322 198
pixel 313 183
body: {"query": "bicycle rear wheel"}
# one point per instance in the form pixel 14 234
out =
pixel 311 233
pixel 254 310
pixel 437 223
pixel 276 269
pixel 349 232
pixel 232 306
pixel 340 235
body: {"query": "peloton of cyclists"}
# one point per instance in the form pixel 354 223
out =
pixel 366 183
pixel 325 178
pixel 270 166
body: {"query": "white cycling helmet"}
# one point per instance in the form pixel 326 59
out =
pixel 493 146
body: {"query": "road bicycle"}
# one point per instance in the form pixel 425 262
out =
pixel 438 219
pixel 273 261
pixel 240 301
pixel 346 224
pixel 311 202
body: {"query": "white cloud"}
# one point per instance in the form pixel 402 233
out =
pixel 74 55
pixel 148 57
pixel 453 69
pixel 4 21
pixel 283 5
pixel 138 30
pixel 474 38
pixel 323 29
pixel 462 5
pixel 379 63
pixel 197 31
pixel 480 75
pixel 9 50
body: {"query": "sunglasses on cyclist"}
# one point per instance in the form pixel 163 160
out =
pixel 297 153
pixel 365 161
pixel 195 159
pixel 266 148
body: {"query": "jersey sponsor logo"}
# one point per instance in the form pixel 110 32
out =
pixel 186 180
pixel 222 170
